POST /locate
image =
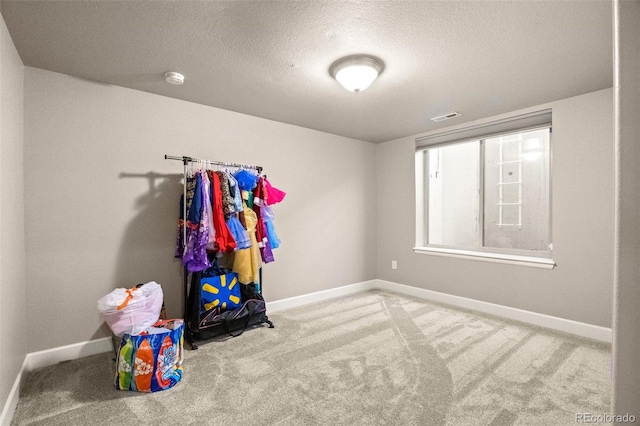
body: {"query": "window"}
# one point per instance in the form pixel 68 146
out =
pixel 485 191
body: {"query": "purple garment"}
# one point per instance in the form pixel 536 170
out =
pixel 266 253
pixel 195 255
pixel 265 248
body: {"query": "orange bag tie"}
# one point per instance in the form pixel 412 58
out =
pixel 168 324
pixel 128 298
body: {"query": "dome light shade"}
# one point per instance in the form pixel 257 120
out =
pixel 355 73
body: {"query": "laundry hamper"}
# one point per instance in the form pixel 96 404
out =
pixel 151 361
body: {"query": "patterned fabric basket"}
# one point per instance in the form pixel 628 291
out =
pixel 152 361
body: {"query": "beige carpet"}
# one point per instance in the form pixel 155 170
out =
pixel 374 358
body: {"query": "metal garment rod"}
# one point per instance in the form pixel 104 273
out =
pixel 186 160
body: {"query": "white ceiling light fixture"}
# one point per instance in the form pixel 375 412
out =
pixel 356 72
pixel 173 77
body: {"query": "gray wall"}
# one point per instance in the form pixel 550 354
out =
pixel 580 287
pixel 102 203
pixel 626 346
pixel 13 317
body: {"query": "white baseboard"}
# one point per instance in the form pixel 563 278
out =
pixel 319 296
pixel 594 332
pixel 45 358
pixel 590 331
pixel 65 353
pixel 12 400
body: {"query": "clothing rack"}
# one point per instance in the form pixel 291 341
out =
pixel 185 161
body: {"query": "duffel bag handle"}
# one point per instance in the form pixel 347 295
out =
pixel 227 321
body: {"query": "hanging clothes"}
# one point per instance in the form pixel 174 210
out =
pixel 228 214
pixel 194 256
pixel 261 234
pixel 224 239
pixel 246 180
pixel 265 252
pixel 190 188
pixel 273 195
pixel 247 262
pixel 240 234
pixel 211 241
pixel 268 216
pixel 228 202
pixel 236 193
pixel 261 230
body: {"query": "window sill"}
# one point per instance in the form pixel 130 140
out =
pixel 534 262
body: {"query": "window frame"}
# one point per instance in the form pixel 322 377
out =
pixel 479 134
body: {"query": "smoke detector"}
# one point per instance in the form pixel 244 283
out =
pixel 174 78
pixel 448 116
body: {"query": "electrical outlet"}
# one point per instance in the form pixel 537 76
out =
pixel 394 264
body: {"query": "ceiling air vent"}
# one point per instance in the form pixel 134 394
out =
pixel 446 116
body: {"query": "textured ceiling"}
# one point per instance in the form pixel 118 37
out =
pixel 271 58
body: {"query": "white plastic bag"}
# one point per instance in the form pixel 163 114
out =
pixel 132 310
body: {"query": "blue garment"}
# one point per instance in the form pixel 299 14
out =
pixel 240 234
pixel 267 218
pixel 196 204
pixel 246 180
pixel 271 235
pixel 235 191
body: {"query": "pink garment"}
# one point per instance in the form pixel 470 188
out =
pixel 274 195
